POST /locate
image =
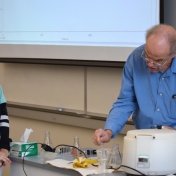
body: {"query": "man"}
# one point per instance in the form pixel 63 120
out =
pixel 148 89
pixel 4 132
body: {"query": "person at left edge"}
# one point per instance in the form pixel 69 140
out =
pixel 4 132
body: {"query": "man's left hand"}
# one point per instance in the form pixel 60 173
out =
pixel 167 127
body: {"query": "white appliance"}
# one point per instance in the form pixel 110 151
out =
pixel 151 152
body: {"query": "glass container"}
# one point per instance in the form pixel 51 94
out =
pixel 75 151
pixel 115 159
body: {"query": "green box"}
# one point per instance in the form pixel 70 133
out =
pixel 20 149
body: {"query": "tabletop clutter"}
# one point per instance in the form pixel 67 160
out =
pixel 83 160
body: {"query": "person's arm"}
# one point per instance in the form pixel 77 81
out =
pixel 126 102
pixel 5 151
pixel 4 128
pixel 121 109
pixel 4 131
pixel 4 157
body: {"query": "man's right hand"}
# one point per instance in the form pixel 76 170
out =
pixel 101 136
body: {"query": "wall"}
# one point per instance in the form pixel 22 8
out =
pixel 169 12
pixel 71 87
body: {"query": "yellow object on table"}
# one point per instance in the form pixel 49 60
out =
pixel 83 162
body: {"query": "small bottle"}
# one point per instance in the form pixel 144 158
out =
pixel 75 151
pixel 47 139
pixel 115 159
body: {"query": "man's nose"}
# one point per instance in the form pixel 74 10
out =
pixel 151 64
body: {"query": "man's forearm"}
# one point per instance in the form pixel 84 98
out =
pixel 109 132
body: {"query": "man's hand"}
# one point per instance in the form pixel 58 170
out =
pixel 101 136
pixel 167 127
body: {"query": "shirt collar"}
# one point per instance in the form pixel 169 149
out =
pixel 173 66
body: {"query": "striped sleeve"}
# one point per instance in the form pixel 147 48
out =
pixel 4 123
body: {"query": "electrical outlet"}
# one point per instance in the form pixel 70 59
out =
pixel 53 118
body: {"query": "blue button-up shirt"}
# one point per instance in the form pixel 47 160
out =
pixel 145 94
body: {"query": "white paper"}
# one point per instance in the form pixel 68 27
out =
pixel 24 138
pixel 69 165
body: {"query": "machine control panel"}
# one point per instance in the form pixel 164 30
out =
pixel 143 161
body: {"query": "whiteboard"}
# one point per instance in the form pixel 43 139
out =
pixel 103 30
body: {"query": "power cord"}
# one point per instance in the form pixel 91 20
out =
pixel 65 145
pixel 132 169
pixel 125 166
pixel 25 154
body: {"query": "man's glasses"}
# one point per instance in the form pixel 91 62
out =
pixel 155 64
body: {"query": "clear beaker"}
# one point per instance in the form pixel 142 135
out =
pixel 47 141
pixel 75 151
pixel 115 159
pixel 103 155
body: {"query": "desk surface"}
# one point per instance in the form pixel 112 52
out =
pixel 34 164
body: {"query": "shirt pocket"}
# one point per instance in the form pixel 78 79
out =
pixel 173 109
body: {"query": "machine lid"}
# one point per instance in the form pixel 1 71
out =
pixel 156 133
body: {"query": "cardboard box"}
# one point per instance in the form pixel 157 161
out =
pixel 20 149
